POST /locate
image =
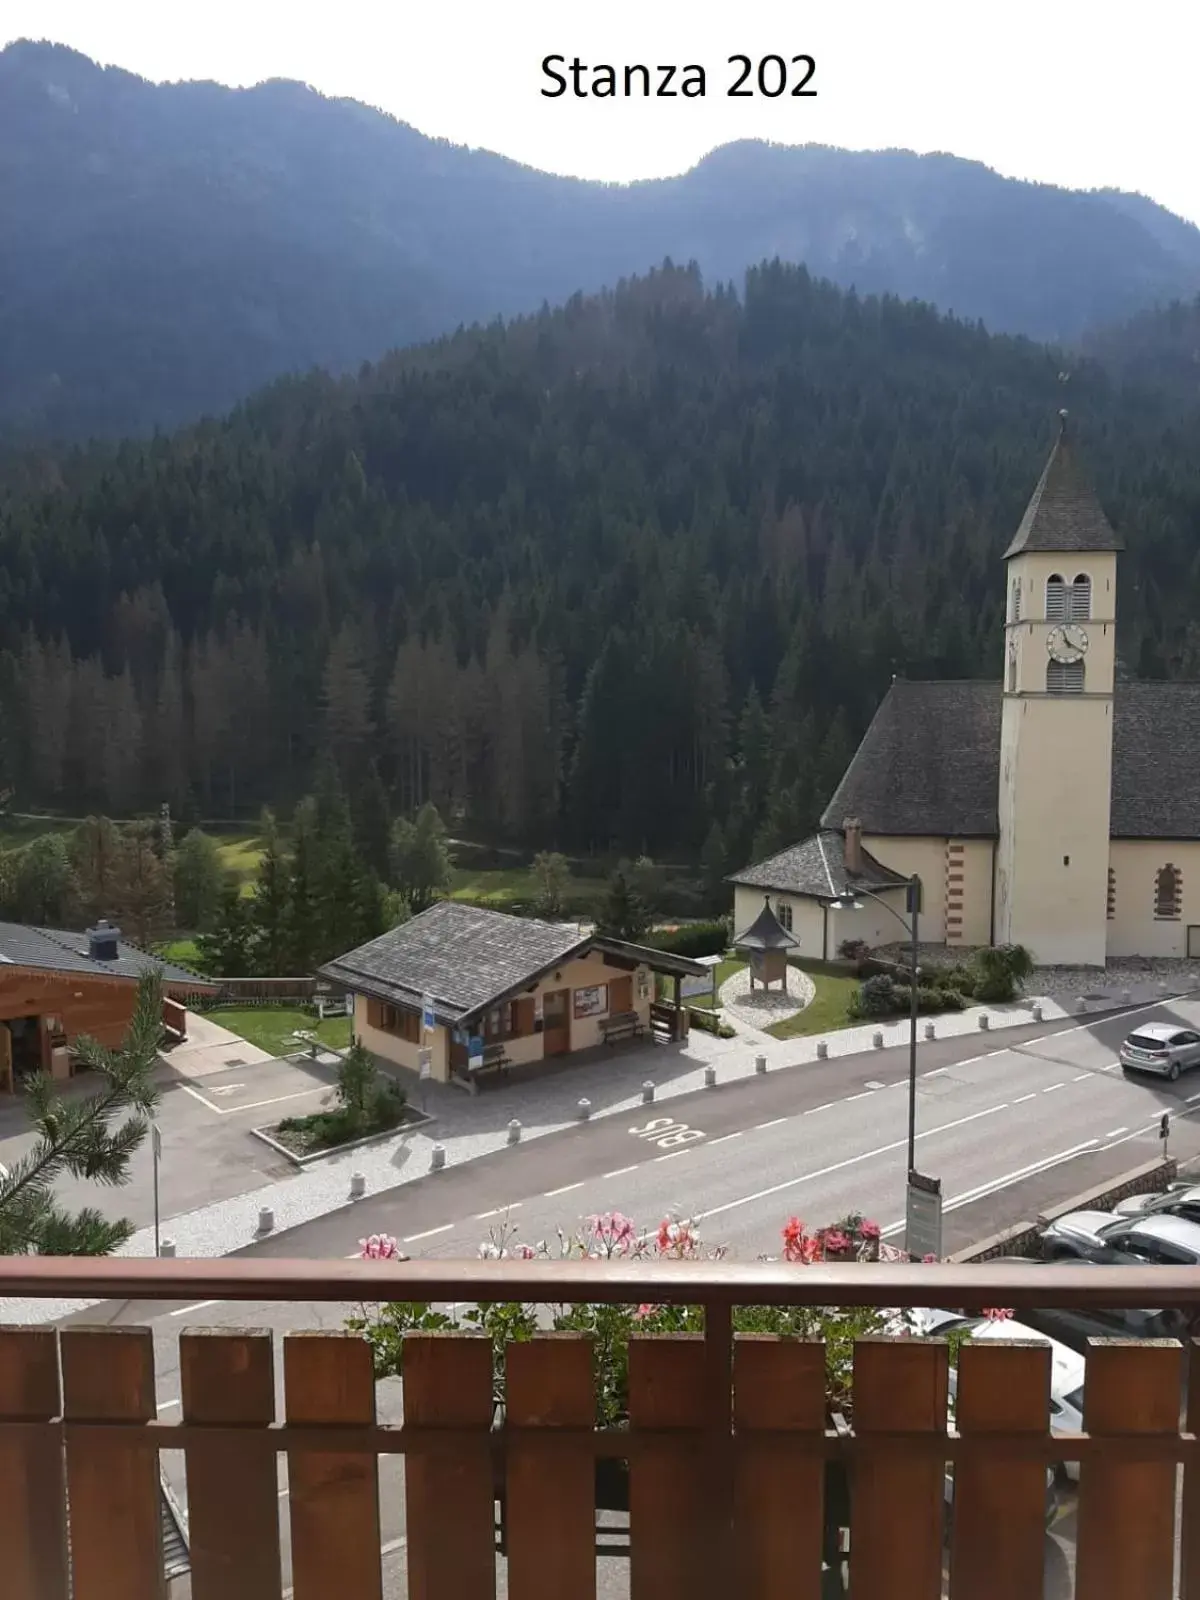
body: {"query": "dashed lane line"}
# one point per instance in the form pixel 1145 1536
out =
pixel 829 1104
pixel 724 1139
pixel 673 1155
pixel 1113 1132
pixel 620 1172
pixel 774 1123
pixel 412 1238
pixel 1050 1088
pixel 865 1095
pixel 1021 1099
pixel 566 1189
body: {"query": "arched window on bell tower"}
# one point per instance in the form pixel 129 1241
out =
pixel 1080 607
pixel 1056 598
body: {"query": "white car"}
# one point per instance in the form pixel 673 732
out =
pixel 1163 1048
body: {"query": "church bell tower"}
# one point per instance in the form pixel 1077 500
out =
pixel 1056 724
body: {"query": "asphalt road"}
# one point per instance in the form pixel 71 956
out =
pixel 994 1119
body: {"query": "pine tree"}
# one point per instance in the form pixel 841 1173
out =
pixel 714 864
pixel 622 914
pixel 44 887
pixel 227 951
pixel 421 867
pixel 141 886
pixel 95 848
pixel 271 904
pixel 304 933
pixel 199 880
pixel 76 1137
pixel 373 822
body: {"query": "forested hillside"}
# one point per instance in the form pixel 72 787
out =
pixel 632 573
pixel 169 248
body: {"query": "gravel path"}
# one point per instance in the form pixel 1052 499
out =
pixel 766 1006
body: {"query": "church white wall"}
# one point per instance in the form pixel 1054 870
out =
pixel 808 923
pixel 1134 930
pixel 956 876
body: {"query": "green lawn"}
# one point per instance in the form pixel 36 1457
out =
pixel 827 1011
pixel 18 831
pixel 271 1027
pixel 182 952
pixel 516 886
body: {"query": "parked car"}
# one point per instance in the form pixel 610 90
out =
pixel 1066 1370
pixel 1163 1048
pixel 1177 1200
pixel 1108 1239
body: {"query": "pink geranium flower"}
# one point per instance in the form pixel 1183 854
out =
pixel 868 1230
pixel 380 1247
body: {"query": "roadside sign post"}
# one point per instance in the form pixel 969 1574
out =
pixel 156 1157
pixel 1164 1131
pixel 923 1217
pixel 425 1059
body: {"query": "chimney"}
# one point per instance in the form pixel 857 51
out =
pixel 102 941
pixel 852 832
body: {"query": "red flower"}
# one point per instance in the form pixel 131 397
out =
pixel 868 1230
pixel 995 1315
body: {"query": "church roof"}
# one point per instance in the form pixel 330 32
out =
pixel 766 932
pixel 817 867
pixel 1063 512
pixel 929 764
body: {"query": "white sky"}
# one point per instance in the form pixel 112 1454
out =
pixel 1086 93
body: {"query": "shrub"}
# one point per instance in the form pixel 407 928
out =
pixel 709 1022
pixel 1000 972
pixel 853 949
pixel 694 939
pixel 877 996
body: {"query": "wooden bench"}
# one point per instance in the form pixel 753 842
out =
pixel 495 1060
pixel 625 1025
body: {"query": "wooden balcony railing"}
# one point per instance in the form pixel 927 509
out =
pixel 727 1440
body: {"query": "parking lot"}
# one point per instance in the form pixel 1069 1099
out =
pixel 208 1152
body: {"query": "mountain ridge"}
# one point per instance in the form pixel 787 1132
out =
pixel 175 246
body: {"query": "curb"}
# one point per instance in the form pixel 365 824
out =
pixel 408 1124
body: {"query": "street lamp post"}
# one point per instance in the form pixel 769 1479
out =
pixel 912 904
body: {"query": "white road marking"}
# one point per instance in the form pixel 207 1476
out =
pixel 482 1216
pixel 968 1061
pixel 1080 1076
pixel 874 1083
pixel 254 1105
pixel 724 1139
pixel 774 1123
pixel 1051 1088
pixel 892 1227
pixel 1192 1098
pixel 1021 1099
pixel 865 1095
pixel 900 1083
pixel 428 1234
pixel 203 1099
pixel 566 1189
pixel 619 1172
pixel 812 1110
pixel 1008 1178
pixel 937 1072
pixel 850 1161
pixel 672 1155
pixel 199 1306
pixel 1113 1132
pixel 167 1405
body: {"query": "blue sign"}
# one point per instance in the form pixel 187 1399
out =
pixel 475 1053
pixel 427 1013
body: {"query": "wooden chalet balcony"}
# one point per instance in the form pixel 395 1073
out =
pixel 727 1440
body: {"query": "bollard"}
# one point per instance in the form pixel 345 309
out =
pixel 760 1064
pixel 1037 1013
pixel 585 1110
pixel 266 1220
pixel 984 1021
pixel 437 1158
pixel 166 1247
pixel 877 1040
pixel 1081 1002
pixel 822 1050
pixel 647 1091
pixel 358 1186
pixel 1126 996
pixel 930 1031
pixel 710 1077
pixel 514 1132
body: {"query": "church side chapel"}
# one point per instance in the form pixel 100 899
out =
pixel 1057 808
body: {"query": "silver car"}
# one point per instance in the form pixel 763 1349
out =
pixel 1161 1047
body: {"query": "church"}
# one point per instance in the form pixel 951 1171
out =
pixel 1057 808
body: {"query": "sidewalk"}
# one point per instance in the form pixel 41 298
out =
pixel 468 1126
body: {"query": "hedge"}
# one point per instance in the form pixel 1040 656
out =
pixel 693 939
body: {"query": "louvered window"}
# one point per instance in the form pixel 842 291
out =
pixel 1064 677
pixel 1168 893
pixel 1056 599
pixel 1016 600
pixel 1081 598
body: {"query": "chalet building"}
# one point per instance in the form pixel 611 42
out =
pixel 500 991
pixel 55 986
pixel 1056 807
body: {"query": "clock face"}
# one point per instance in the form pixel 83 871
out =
pixel 1067 643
